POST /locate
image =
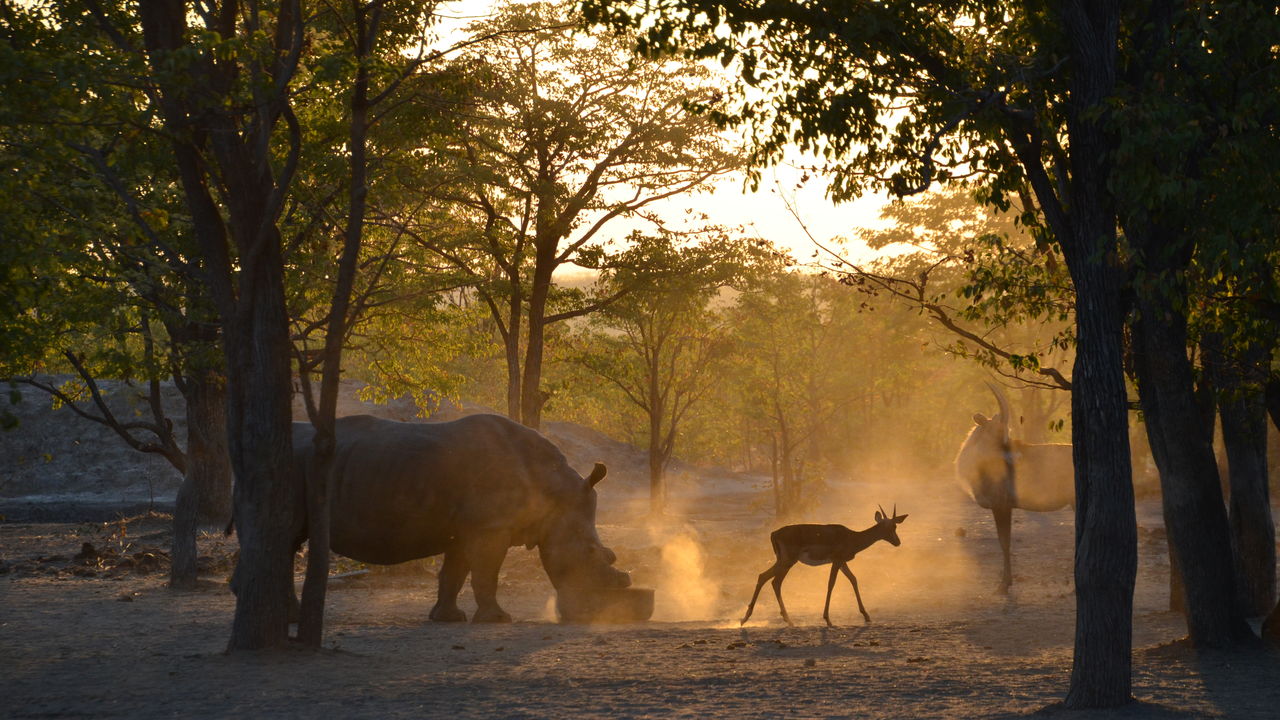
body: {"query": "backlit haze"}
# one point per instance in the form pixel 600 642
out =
pixel 784 211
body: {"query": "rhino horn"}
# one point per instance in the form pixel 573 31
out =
pixel 597 474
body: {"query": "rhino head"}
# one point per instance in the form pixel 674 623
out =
pixel 569 546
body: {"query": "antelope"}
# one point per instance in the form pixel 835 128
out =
pixel 822 545
pixel 1001 473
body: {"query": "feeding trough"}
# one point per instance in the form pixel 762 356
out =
pixel 605 605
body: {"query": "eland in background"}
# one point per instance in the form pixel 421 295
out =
pixel 1001 473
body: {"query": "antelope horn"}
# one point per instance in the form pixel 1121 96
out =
pixel 895 509
pixel 1005 413
pixel 1010 488
pixel 881 509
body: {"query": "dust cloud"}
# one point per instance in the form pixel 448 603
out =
pixel 706 562
pixel 685 591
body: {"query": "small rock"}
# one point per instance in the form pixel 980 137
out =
pixel 810 662
pixel 459 647
pixel 125 598
pixel 960 532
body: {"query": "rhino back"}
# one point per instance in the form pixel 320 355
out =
pixel 405 490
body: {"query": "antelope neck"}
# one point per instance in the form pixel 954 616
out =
pixel 860 540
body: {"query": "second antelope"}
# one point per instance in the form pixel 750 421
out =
pixel 1001 473
pixel 833 545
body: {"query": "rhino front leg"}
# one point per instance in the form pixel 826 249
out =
pixel 453 572
pixel 485 554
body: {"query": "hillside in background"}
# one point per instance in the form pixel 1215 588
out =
pixel 55 460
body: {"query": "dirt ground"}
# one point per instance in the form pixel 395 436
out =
pixel 100 635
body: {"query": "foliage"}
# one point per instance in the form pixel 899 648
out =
pixel 564 133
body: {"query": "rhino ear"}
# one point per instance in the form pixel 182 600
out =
pixel 597 474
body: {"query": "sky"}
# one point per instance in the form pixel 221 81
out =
pixel 763 213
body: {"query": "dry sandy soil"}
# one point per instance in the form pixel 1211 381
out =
pixel 100 635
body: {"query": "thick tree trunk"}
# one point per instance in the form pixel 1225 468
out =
pixel 1271 628
pixel 267 490
pixel 1242 405
pixel 1106 527
pixel 247 285
pixel 1194 513
pixel 205 495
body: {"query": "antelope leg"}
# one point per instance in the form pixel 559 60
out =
pixel 1004 523
pixel 764 578
pixel 831 583
pixel 777 590
pixel 844 567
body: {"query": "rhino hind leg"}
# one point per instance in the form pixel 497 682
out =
pixel 453 572
pixel 485 554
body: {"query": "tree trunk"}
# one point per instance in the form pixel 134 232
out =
pixel 778 509
pixel 657 457
pixel 267 491
pixel 247 285
pixel 1243 411
pixel 205 495
pixel 1106 527
pixel 1272 397
pixel 513 381
pixel 1271 628
pixel 511 347
pixel 1194 513
pixel 531 397
pixel 319 474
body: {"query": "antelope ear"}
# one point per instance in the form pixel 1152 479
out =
pixel 980 419
pixel 879 517
pixel 597 474
pixel 900 518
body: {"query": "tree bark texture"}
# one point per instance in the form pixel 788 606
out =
pixel 1271 628
pixel 1242 406
pixel 205 495
pixel 315 586
pixel 1106 527
pixel 1194 513
pixel 531 397
pixel 259 429
pixel 241 257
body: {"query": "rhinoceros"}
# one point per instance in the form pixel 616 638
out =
pixel 469 489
